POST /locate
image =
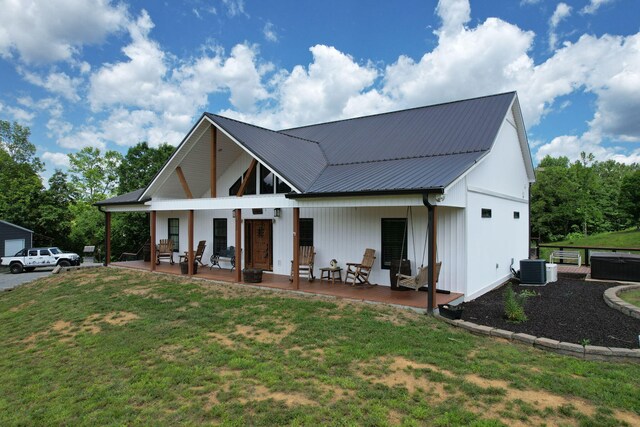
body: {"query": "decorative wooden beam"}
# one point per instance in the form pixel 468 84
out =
pixel 190 242
pixel 107 243
pixel 153 240
pixel 432 259
pixel 252 166
pixel 238 245
pixel 183 182
pixel 296 248
pixel 214 152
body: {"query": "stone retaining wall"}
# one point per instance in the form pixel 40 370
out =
pixel 614 301
pixel 588 352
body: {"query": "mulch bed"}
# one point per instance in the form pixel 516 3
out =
pixel 569 310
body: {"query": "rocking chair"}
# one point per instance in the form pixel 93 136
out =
pixel 165 250
pixel 197 256
pixel 305 263
pixel 419 280
pixel 361 271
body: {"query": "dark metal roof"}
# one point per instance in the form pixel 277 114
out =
pixel 130 198
pixel 298 160
pixel 15 226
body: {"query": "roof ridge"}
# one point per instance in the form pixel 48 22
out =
pixel 263 128
pixel 408 158
pixel 396 111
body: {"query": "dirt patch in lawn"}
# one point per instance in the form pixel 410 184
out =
pixel 175 352
pixel 223 339
pixel 119 318
pixel 144 292
pixel 405 373
pixel 22 306
pixel 266 336
pixel 568 310
pixel 291 399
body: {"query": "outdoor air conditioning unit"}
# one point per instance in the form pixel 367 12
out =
pixel 533 272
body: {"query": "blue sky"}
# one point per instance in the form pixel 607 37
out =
pixel 110 74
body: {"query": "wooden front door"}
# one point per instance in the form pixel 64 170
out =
pixel 258 243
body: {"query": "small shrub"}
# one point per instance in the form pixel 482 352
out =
pixel 514 304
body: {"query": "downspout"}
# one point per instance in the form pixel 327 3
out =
pixel 430 243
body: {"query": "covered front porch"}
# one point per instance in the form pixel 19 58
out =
pixel 376 294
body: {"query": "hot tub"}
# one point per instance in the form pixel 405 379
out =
pixel 615 266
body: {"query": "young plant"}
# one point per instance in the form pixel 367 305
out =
pixel 514 304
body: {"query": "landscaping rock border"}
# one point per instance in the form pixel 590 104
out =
pixel 587 352
pixel 614 301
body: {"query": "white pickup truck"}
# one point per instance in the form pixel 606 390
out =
pixel 29 259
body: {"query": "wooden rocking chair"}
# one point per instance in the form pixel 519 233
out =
pixel 419 280
pixel 305 263
pixel 197 256
pixel 361 271
pixel 128 256
pixel 165 250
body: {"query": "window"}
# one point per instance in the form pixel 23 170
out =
pixel 266 180
pixel 516 215
pixel 219 235
pixel 44 252
pixel 250 187
pixel 282 187
pixel 393 244
pixel 174 233
pixel 486 213
pixel 33 252
pixel 233 190
pixel 306 231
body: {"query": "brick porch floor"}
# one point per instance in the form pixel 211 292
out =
pixel 381 294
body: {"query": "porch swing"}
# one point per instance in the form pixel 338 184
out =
pixel 421 279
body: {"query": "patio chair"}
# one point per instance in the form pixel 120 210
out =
pixel 197 256
pixel 361 271
pixel 305 263
pixel 165 250
pixel 419 280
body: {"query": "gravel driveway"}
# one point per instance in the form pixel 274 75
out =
pixel 10 281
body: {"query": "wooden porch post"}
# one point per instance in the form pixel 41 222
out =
pixel 238 245
pixel 214 149
pixel 433 238
pixel 153 240
pixel 296 248
pixel 190 242
pixel 107 238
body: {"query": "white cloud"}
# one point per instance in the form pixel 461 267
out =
pixel 56 83
pixel 562 12
pixel 593 6
pixel 234 7
pixel 529 2
pixel 16 114
pixel 269 32
pixel 56 159
pixel 41 31
pixel 454 14
pixel 88 136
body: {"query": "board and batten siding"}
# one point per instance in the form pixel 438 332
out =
pixel 499 183
pixel 343 234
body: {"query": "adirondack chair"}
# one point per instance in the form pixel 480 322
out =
pixel 165 250
pixel 305 263
pixel 361 271
pixel 419 280
pixel 197 256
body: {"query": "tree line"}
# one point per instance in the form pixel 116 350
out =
pixel 63 213
pixel 586 196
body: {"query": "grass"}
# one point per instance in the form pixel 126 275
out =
pixel 631 296
pixel 118 347
pixel 615 239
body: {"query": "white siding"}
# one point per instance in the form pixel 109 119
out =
pixel 452 249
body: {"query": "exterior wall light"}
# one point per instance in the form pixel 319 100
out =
pixel 276 213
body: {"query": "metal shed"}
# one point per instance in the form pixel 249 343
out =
pixel 14 238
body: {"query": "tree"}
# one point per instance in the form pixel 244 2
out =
pixel 14 138
pixel 94 177
pixel 56 215
pixel 139 166
pixel 630 197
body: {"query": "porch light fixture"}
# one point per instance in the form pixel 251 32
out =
pixel 276 213
pixel 440 198
pixel 233 213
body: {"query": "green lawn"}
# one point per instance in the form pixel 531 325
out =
pixel 617 239
pixel 118 347
pixel 632 296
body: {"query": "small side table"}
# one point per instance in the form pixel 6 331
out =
pixel 329 273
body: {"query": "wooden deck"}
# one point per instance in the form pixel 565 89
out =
pixel 379 294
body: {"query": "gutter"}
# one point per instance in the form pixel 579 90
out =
pixel 137 202
pixel 425 191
